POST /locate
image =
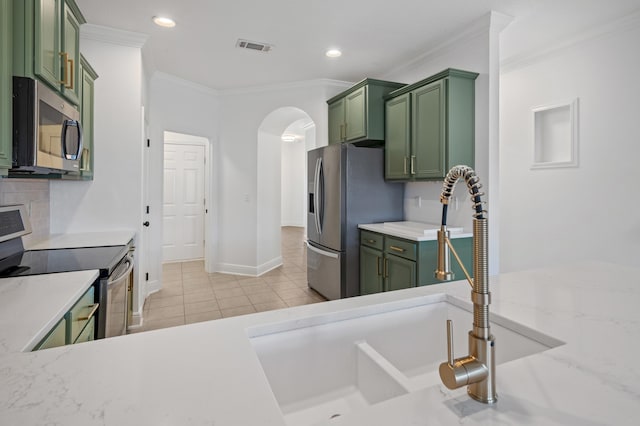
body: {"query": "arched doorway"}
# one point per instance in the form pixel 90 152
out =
pixel 284 137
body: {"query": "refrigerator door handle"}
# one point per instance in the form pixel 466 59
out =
pixel 317 201
pixel 321 252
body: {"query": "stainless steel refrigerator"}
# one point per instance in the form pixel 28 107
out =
pixel 346 187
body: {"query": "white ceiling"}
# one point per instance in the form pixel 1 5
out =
pixel 375 35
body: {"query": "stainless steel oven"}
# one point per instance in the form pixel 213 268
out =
pixel 114 263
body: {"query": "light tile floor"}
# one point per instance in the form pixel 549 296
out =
pixel 191 295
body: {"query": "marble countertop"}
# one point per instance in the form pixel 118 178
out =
pixel 83 239
pixel 30 306
pixel 208 373
pixel 414 231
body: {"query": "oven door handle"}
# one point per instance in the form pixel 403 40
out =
pixel 122 276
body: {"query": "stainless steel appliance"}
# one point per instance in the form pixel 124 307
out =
pixel 114 264
pixel 346 187
pixel 47 135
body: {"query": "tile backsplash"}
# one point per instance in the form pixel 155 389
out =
pixel 34 194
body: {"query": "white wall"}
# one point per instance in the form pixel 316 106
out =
pixel 187 108
pixel 557 216
pixel 113 200
pixel 242 113
pixel 476 49
pixel 293 183
pixel 268 201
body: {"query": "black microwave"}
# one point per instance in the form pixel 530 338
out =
pixel 47 134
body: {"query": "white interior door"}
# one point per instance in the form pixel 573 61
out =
pixel 183 203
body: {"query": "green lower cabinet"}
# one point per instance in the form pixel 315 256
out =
pixel 6 86
pixel 76 326
pixel 371 280
pixel 56 337
pixel 400 273
pixel 391 263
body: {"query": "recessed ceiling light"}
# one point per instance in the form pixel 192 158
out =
pixel 164 21
pixel 333 53
pixel 288 137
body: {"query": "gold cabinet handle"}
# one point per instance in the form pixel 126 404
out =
pixel 371 241
pixel 71 79
pixel 413 170
pixel 94 308
pixel 378 264
pixel 398 249
pixel 404 162
pixel 65 75
pixel 386 268
pixel 345 131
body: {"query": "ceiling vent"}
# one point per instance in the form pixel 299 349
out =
pixel 254 45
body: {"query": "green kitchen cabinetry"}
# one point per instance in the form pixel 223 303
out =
pixel 46 44
pixel 88 77
pixel 76 326
pixel 357 114
pixel 391 263
pixel 6 86
pixel 429 126
pixel 56 337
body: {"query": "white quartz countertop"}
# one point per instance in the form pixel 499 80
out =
pixel 208 373
pixel 83 239
pixel 415 231
pixel 30 306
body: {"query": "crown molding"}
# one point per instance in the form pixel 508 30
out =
pixel 321 82
pixel 113 35
pixel 476 28
pixel 626 23
pixel 185 83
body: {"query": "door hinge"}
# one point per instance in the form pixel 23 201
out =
pixel 148 143
pixel 146 276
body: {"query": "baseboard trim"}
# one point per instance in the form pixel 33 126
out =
pixel 251 271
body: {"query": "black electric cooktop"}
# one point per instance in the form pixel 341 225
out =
pixel 34 262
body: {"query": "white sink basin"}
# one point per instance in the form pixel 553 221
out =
pixel 333 364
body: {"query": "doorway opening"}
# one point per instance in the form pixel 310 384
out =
pixel 185 201
pixel 284 137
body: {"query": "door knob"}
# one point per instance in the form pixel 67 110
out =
pixel 146 223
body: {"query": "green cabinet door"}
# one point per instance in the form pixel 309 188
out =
pixel 6 86
pixel 400 273
pixel 356 114
pixel 336 121
pixel 46 44
pixel 428 131
pixel 397 137
pixel 48 41
pixel 440 126
pixel 88 76
pixel 56 337
pixel 371 280
pixel 71 52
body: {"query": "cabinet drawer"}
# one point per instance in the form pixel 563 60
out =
pixel 80 314
pixel 57 337
pixel 371 239
pixel 88 332
pixel 402 248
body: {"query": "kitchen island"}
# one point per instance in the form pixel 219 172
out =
pixel 209 374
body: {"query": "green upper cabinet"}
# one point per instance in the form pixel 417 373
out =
pixel 357 114
pixel 398 146
pixel 88 76
pixel 6 86
pixel 47 44
pixel 430 126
